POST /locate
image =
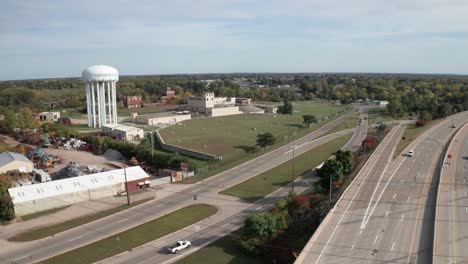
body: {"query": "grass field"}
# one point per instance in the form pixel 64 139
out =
pixel 222 251
pixel 379 115
pixel 60 227
pixel 411 133
pixel 269 181
pixel 349 122
pixel 232 136
pixel 137 236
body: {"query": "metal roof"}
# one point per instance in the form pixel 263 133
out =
pixel 7 157
pixel 100 73
pixel 75 184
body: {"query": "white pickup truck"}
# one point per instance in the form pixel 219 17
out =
pixel 179 245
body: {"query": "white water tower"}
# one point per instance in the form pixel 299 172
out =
pixel 101 96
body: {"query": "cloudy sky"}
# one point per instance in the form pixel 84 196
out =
pixel 41 39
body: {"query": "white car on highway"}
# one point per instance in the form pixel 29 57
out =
pixel 179 245
pixel 410 153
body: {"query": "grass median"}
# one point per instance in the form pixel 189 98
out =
pixel 411 133
pixel 136 236
pixel 222 251
pixel 60 227
pixel 263 184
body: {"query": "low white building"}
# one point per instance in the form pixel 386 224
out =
pixel 49 116
pixel 12 161
pixel 223 111
pixel 162 118
pixel 53 194
pixel 124 132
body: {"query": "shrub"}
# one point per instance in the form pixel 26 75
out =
pixel 420 123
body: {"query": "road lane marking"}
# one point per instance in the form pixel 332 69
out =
pixel 414 184
pixel 394 196
pixel 375 240
pixel 21 258
pixel 123 220
pixel 354 196
pixel 386 214
pixel 353 246
pixel 360 232
pixel 393 245
pixel 401 218
pixel 466 209
pixel 408 198
pixel 73 239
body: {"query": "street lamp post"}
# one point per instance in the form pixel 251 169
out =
pixel 126 184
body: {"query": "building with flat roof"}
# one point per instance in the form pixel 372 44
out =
pixel 123 132
pixel 162 118
pixel 53 194
pixel 12 161
pixel 210 105
pixel 49 116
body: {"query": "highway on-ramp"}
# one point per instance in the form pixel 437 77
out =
pixel 387 214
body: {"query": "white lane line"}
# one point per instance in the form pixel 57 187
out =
pixel 384 189
pixel 353 246
pixel 401 218
pixel 464 180
pixel 360 232
pixel 123 220
pixel 394 196
pixel 401 180
pixel 196 190
pixel 414 184
pixel 21 258
pixel 393 245
pixel 408 198
pixel 73 239
pixel 375 240
pixel 386 214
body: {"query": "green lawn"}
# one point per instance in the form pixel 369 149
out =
pixel 222 251
pixel 348 122
pixel 60 227
pixel 261 185
pixel 233 136
pixel 411 133
pixel 379 115
pixel 137 236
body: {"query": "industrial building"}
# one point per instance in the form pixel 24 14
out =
pixel 48 195
pixel 49 116
pixel 11 161
pixel 123 132
pixel 161 118
pixel 210 105
pixel 131 101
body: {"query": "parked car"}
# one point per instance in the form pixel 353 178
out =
pixel 410 153
pixel 179 245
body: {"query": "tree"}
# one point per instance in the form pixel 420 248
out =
pixel 346 159
pixel 261 226
pixel 10 121
pixel 333 169
pixel 266 139
pixel 308 119
pixel 286 108
pixel 7 212
pixel 25 119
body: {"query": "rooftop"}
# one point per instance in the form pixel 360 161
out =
pixel 165 114
pixel 75 184
pixel 120 127
pixel 7 157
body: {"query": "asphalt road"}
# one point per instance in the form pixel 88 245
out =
pixel 388 212
pixel 451 230
pixel 206 191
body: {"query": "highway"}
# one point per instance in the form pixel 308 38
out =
pixel 387 214
pixel 451 230
pixel 206 191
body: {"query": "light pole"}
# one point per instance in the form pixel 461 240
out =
pixel 126 183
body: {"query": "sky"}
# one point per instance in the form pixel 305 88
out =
pixel 55 39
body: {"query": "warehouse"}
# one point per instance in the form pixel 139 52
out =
pixel 162 118
pixel 123 132
pixel 48 195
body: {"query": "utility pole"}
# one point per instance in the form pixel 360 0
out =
pixel 152 145
pixel 126 184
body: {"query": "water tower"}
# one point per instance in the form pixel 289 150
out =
pixel 101 97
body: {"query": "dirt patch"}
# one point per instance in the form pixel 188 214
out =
pixel 82 157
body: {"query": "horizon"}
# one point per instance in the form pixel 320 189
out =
pixel 51 40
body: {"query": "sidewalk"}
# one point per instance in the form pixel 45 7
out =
pixel 87 208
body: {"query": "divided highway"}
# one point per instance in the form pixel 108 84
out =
pixel 387 214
